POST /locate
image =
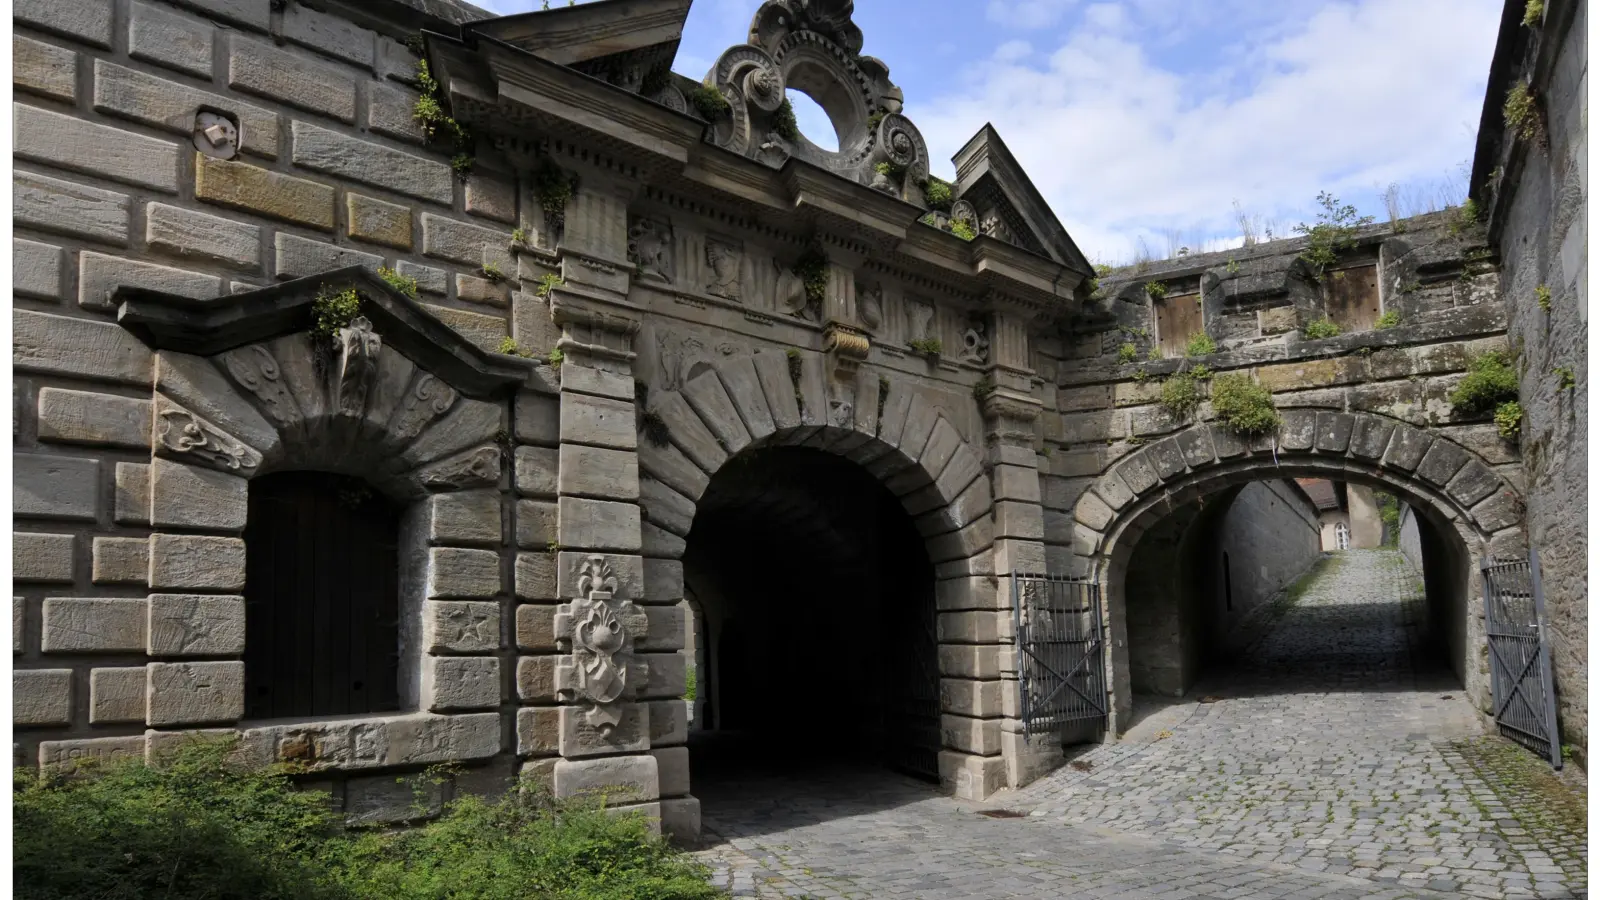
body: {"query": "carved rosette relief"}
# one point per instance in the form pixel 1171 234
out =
pixel 185 436
pixel 601 629
pixel 650 248
pixel 722 270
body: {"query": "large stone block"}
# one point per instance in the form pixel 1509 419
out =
pixel 536 524
pixel 390 112
pixel 666 629
pixel 668 675
pixel 64 207
pixel 82 417
pixel 536 471
pixel 971 777
pixel 461 242
pixel 284 77
pixel 536 576
pixel 680 819
pixel 84 20
pixel 169 39
pixel 536 678
pixel 44 69
pixel 1334 431
pixel 196 562
pixel 71 143
pixel 672 768
pixel 658 542
pixel 195 693
pixel 963 697
pixel 460 682
pixel 90 625
pixel 1474 482
pixel 665 507
pixel 460 626
pixel 485 331
pixel 37 270
pixel 599 421
pixel 378 221
pixel 1442 461
pixel 455 573
pixel 100 275
pixel 208 238
pixel 617 780
pixel 170 106
pixel 116 560
pixel 538 731
pixel 54 487
pixel 45 558
pixel 464 518
pixel 976 736
pixel 196 625
pixel 429 279
pixel 337 154
pixel 65 755
pixel 387 800
pixel 669 722
pixel 581 736
pixel 599 382
pixel 599 525
pixel 41 696
pixel 974 627
pixel 295 256
pixel 538 419
pixel 183 496
pixel 132 503
pixel 599 473
pixel 333 35
pixel 250 188
pixel 536 628
pixel 117 695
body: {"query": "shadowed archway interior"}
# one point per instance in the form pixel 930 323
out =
pixel 818 619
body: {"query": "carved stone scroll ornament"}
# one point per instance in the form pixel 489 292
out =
pixel 918 317
pixel 358 367
pixel 185 436
pixel 255 369
pixel 602 630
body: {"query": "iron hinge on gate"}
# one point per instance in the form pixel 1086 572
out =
pixel 1060 650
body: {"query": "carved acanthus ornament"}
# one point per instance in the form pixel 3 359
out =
pixel 602 629
pixel 185 436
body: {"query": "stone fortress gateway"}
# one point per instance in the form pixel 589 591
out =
pixel 645 335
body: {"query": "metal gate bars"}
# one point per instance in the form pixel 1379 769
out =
pixel 1519 656
pixel 1060 650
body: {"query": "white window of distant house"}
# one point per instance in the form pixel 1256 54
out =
pixel 1341 535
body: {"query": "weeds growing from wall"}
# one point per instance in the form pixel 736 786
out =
pixel 939 193
pixel 1321 328
pixel 1542 294
pixel 1521 112
pixel 1533 13
pixel 1244 406
pixel 1156 289
pixel 1200 345
pixel 1180 395
pixel 405 284
pixel 331 311
pixel 1490 381
pixel 1127 353
pixel 783 122
pixel 1390 319
pixel 709 102
pixel 1335 231
pixel 1508 420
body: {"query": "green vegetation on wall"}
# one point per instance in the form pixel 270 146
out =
pixel 1335 231
pixel 1243 406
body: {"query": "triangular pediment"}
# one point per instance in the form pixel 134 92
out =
pixel 209 327
pixel 1003 197
pixel 605 31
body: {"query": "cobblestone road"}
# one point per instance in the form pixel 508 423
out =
pixel 1330 763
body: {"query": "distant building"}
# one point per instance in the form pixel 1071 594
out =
pixel 1349 514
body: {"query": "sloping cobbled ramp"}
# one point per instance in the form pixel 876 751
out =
pixel 1333 760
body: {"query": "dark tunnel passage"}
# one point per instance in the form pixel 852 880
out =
pixel 815 610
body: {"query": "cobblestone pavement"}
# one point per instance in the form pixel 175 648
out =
pixel 1332 762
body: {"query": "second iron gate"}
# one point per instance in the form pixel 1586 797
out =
pixel 1519 655
pixel 1060 650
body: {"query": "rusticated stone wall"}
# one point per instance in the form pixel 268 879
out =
pixel 1534 191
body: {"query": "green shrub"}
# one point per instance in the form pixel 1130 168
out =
pixel 1127 353
pixel 1180 395
pixel 1520 111
pixel 1242 405
pixel 1322 328
pixel 1389 319
pixel 812 267
pixel 961 228
pixel 929 347
pixel 1565 378
pixel 1508 419
pixel 1389 512
pixel 783 121
pixel 1542 294
pixel 709 102
pixel 333 310
pixel 1200 345
pixel 1335 231
pixel 939 193
pixel 689 690
pixel 1533 13
pixel 1201 373
pixel 547 283
pixel 983 388
pixel 202 827
pixel 1490 381
pixel 553 187
pixel 405 284
pixel 1156 289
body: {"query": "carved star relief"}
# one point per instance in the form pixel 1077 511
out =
pixel 472 626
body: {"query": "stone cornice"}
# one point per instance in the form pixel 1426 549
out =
pixel 207 327
pixel 986 156
pixel 867 212
pixel 567 35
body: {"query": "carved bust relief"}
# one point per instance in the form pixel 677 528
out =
pixel 722 263
pixel 650 248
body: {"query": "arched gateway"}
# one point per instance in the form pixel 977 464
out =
pixel 643 310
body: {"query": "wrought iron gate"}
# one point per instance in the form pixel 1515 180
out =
pixel 1519 656
pixel 1060 650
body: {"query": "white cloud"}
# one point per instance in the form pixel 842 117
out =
pixel 1334 95
pixel 1028 13
pixel 1013 51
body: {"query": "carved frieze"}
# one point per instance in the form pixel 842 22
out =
pixel 185 436
pixel 602 629
pixel 650 248
pixel 464 470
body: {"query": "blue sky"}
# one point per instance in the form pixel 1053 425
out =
pixel 1143 121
